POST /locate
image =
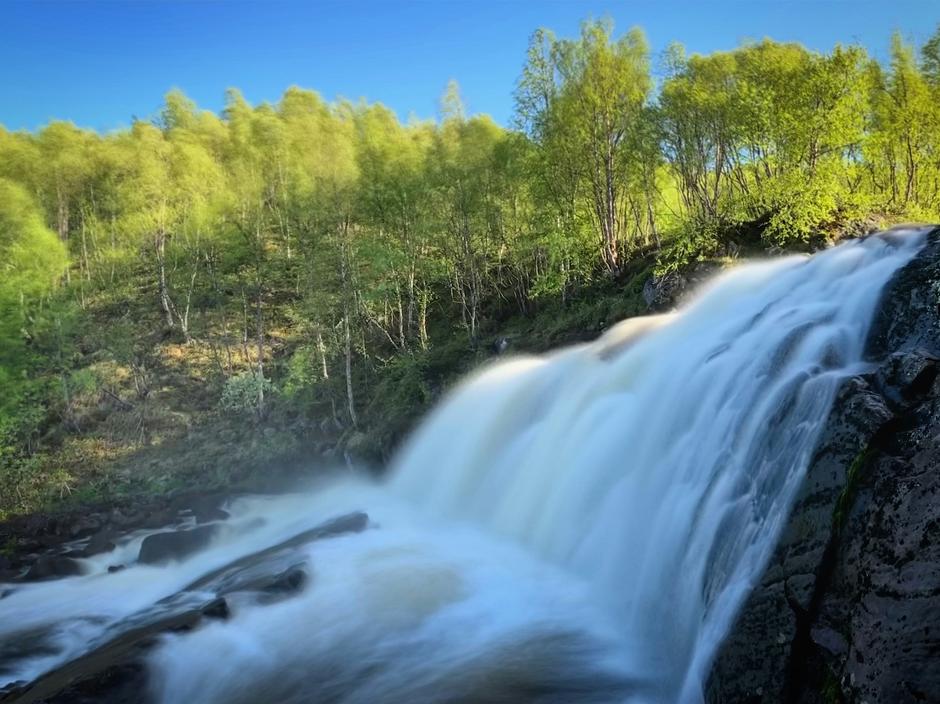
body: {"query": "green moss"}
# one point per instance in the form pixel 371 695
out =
pixel 831 691
pixel 847 496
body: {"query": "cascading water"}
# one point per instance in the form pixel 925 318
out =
pixel 578 527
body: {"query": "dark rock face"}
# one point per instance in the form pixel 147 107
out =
pixel 848 609
pixel 202 508
pixel 174 544
pixel 52 567
pixel 90 530
pixel 665 292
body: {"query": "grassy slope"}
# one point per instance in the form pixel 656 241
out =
pixel 161 429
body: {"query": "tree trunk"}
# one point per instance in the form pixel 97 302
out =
pixel 85 269
pixel 403 344
pixel 411 301
pixel 165 302
pixel 245 325
pixel 423 319
pixel 911 170
pixel 259 332
pixel 347 333
pixel 350 400
pixel 322 349
pixel 62 224
pixel 184 317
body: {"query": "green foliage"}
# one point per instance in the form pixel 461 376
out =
pixel 31 261
pixel 400 397
pixel 853 477
pixel 242 392
pixel 22 416
pixel 359 262
pixel 693 242
pixel 585 104
pixel 797 207
pixel 301 374
pixel 831 689
pixel 904 138
pixel 767 133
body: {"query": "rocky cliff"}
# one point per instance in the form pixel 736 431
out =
pixel 848 609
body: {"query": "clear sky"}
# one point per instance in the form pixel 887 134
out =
pixel 101 63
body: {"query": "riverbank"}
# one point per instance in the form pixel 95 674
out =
pixel 117 444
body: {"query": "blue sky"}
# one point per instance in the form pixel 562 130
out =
pixel 100 63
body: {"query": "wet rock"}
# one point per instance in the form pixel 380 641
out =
pixel 113 672
pixel 102 541
pixel 354 522
pixel 665 292
pixel 905 376
pixel 8 690
pixel 204 508
pixel 158 517
pixel 84 525
pixel 282 586
pixel 659 291
pixel 217 609
pixel 124 518
pixel 252 572
pixel 290 580
pixel 92 530
pixel 52 567
pixel 119 684
pixel 11 572
pixel 168 546
pixel 848 609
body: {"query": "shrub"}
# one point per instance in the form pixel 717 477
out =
pixel 695 241
pixel 240 393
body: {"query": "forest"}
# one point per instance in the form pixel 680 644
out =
pixel 200 296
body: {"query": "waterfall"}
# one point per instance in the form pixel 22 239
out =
pixel 660 461
pixel 582 526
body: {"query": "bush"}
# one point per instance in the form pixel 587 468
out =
pixel 240 393
pixel 695 241
pixel 798 206
pixel 303 372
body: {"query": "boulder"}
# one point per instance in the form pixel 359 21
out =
pixel 52 567
pixel 173 545
pixel 83 525
pixel 114 671
pixel 102 541
pixel 203 507
pixel 665 292
pixel 252 572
